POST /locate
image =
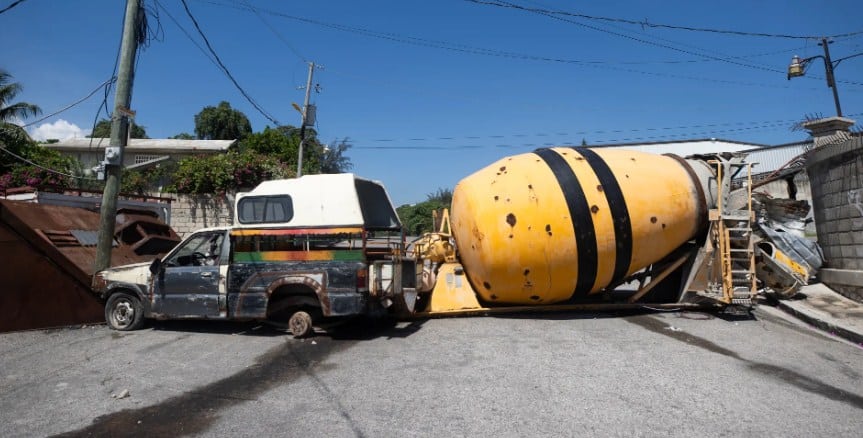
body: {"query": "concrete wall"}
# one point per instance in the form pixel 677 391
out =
pixel 836 175
pixel 193 212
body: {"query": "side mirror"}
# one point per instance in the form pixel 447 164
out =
pixel 156 266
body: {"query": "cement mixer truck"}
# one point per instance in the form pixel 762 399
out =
pixel 558 228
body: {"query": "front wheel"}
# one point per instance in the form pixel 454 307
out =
pixel 124 312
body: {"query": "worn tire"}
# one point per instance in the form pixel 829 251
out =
pixel 124 312
pixel 301 324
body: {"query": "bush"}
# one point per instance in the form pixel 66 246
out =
pixel 218 174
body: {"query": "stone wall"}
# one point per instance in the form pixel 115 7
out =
pixel 836 176
pixel 193 212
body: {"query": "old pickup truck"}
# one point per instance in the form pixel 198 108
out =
pixel 300 251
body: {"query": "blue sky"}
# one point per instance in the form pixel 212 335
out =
pixel 431 91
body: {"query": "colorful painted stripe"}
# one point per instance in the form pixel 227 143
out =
pixel 287 256
pixel 294 231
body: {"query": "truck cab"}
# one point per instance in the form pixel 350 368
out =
pixel 300 251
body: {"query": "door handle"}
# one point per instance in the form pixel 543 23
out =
pixel 206 274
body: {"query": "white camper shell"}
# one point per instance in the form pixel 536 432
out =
pixel 314 201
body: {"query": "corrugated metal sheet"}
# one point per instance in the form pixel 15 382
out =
pixel 46 269
pixel 684 147
pixel 772 158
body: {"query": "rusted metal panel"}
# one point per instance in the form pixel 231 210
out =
pixel 45 270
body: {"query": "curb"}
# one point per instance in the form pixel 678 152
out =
pixel 842 332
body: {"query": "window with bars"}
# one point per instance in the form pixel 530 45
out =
pixel 145 158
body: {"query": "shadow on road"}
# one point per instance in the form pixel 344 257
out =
pixel 353 329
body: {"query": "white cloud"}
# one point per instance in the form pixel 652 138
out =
pixel 60 130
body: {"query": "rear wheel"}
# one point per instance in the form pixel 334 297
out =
pixel 124 312
pixel 301 324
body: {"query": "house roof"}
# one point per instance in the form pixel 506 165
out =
pixel 156 145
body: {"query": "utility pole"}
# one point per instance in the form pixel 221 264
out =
pixel 119 135
pixel 831 80
pixel 305 119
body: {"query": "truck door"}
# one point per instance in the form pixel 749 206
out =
pixel 188 284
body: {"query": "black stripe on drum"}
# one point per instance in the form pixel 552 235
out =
pixel 582 220
pixel 619 212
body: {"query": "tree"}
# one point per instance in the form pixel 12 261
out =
pixel 417 218
pixel 184 136
pixel 103 130
pixel 13 137
pixel 222 123
pixel 333 158
pixel 11 111
pixel 283 143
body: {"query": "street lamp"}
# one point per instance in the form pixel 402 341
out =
pixel 798 68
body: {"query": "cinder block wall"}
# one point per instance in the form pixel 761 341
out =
pixel 193 212
pixel 836 177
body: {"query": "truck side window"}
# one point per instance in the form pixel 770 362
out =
pixel 265 209
pixel 197 251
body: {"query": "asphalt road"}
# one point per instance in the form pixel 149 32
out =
pixel 651 374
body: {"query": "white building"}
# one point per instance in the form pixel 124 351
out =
pixel 91 151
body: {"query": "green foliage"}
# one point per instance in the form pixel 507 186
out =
pixel 21 174
pixel 333 158
pixel 222 123
pixel 149 179
pixel 10 111
pixel 441 195
pixel 223 173
pixel 103 130
pixel 417 219
pixel 184 136
pixel 283 143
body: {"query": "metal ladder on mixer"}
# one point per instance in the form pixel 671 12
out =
pixel 736 247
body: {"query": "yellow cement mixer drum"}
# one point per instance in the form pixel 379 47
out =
pixel 561 223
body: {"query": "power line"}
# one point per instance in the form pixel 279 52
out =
pixel 641 40
pixel 47 169
pixel 645 23
pixel 725 128
pixel 422 42
pixel 188 35
pixel 225 69
pixel 11 5
pixel 724 59
pixel 276 33
pixel 103 84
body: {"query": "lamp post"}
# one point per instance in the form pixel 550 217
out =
pixel 798 68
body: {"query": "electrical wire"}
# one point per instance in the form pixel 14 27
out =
pixel 725 59
pixel 186 32
pixel 645 23
pixel 728 127
pixel 422 42
pixel 11 5
pixel 641 40
pixel 45 168
pixel 225 69
pixel 67 107
pixel 276 33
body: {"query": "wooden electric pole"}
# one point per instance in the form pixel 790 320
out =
pixel 305 119
pixel 119 135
